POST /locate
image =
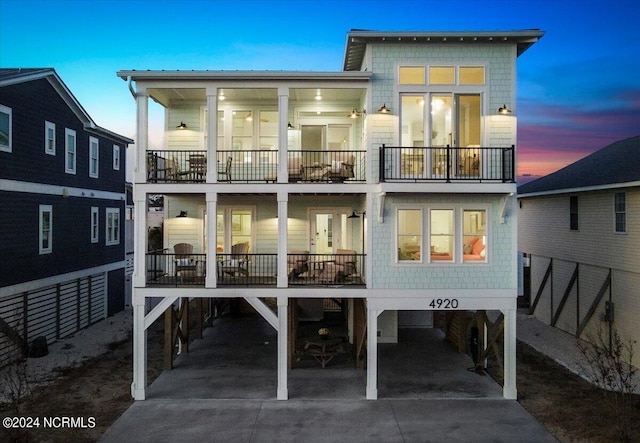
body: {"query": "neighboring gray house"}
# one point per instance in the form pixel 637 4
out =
pixel 388 186
pixel 579 229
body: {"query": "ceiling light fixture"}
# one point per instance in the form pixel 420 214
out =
pixel 318 95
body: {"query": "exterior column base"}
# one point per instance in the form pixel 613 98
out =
pixel 510 393
pixel 137 394
pixel 283 394
pixel 372 393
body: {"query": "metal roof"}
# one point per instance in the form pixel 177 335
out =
pixel 357 40
pixel 615 165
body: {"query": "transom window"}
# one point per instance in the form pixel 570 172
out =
pixel 441 75
pixel 411 75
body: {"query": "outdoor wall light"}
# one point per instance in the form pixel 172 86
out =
pixel 383 109
pixel 290 126
pixel 354 214
pixel 182 125
pixel 355 113
pixel 504 110
pixel 182 214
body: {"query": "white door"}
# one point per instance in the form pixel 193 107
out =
pixel 328 230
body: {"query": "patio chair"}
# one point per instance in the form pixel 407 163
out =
pixel 338 270
pixel 297 263
pixel 236 263
pixel 224 175
pixel 185 263
pixel 342 164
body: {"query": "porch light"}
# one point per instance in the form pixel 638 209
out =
pixel 221 96
pixel 249 117
pixel 290 126
pixel 182 125
pixel 182 214
pixel 354 113
pixel 318 95
pixel 504 110
pixel 354 214
pixel 383 109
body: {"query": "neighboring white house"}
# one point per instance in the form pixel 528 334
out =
pixel 262 173
pixel 579 229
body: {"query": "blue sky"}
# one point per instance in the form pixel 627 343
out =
pixel 578 87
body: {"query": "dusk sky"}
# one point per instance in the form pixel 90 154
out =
pixel 578 87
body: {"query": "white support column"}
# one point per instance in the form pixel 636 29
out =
pixel 139 383
pixel 211 279
pixel 283 138
pixel 372 354
pixel 283 348
pixel 509 390
pixel 283 200
pixel 212 135
pixel 140 237
pixel 142 135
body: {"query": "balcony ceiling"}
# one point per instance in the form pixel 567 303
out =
pixel 168 96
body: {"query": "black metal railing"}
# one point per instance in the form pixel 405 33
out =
pixel 190 166
pixel 164 269
pixel 247 269
pixel 345 268
pixel 471 163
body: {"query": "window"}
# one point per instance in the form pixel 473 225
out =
pixel 474 241
pixel 242 133
pixel 620 210
pixel 442 235
pixel 94 153
pixel 5 129
pixel 116 157
pixel 441 75
pixel 471 75
pixel 411 75
pixel 233 226
pixel 94 224
pixel 409 234
pixel 573 212
pixel 69 151
pixel 113 226
pixel 49 138
pixel 46 229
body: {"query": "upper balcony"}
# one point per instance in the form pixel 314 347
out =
pixel 249 166
pixel 447 164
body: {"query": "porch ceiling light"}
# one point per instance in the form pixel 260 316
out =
pixel 182 214
pixel 249 117
pixel 383 109
pixel 318 95
pixel 504 110
pixel 182 125
pixel 221 96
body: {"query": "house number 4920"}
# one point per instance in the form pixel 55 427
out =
pixel 444 303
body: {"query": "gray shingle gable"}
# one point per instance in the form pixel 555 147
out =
pixel 617 163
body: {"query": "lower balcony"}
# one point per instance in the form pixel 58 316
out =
pixel 240 268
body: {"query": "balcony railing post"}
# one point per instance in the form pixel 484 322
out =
pixel 381 165
pixel 449 165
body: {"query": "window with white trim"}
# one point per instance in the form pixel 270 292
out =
pixel 442 235
pixel 112 226
pixel 49 138
pixel 620 212
pixel 94 154
pixel 94 224
pixel 474 235
pixel 409 238
pixel 573 212
pixel 69 151
pixel 116 157
pixel 5 128
pixel 45 236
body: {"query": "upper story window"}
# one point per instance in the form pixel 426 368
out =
pixel 69 151
pixel 442 235
pixel 49 138
pixel 5 129
pixel 94 224
pixel 116 157
pixel 474 228
pixel 573 212
pixel 411 75
pixel 620 212
pixel 94 154
pixel 112 226
pixel 45 236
